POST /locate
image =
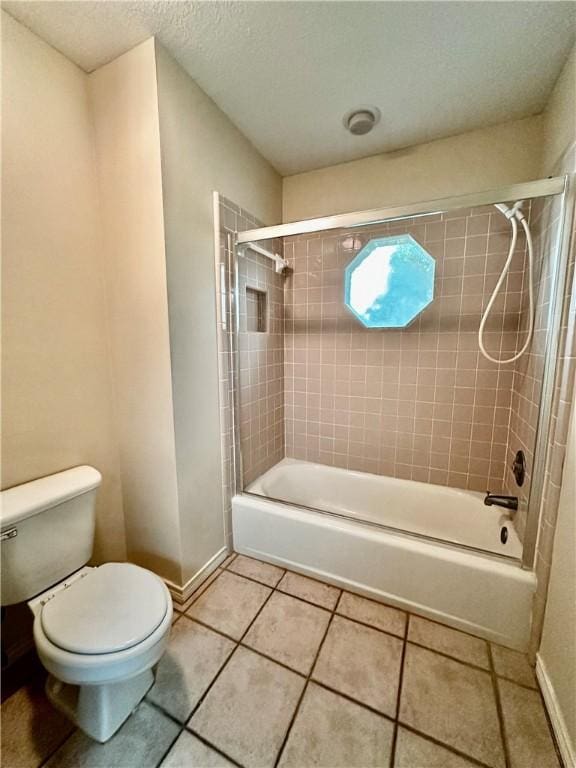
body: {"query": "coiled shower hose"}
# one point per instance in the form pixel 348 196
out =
pixel 514 215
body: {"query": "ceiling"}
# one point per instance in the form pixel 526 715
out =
pixel 286 72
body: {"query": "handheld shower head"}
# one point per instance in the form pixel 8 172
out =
pixel 514 215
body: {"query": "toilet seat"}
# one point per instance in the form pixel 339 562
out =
pixel 103 668
pixel 114 608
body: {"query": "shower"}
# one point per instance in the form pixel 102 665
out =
pixel 330 412
pixel 514 215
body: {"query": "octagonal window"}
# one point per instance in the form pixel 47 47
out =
pixel 389 282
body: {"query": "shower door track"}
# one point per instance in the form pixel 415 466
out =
pixel 527 190
pixel 530 190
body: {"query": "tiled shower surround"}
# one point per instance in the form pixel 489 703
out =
pixel 259 356
pixel 529 370
pixel 418 403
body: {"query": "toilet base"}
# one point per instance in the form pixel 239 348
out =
pixel 99 710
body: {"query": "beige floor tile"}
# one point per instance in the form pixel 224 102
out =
pixel 289 631
pixel 193 658
pixel 190 752
pixel 316 592
pixel 332 732
pixel 513 665
pixel 362 663
pixel 377 615
pixel 256 569
pixel 413 751
pixel 31 728
pixel 453 703
pixel 529 741
pixel 229 604
pixel 202 588
pixel 449 641
pixel 248 710
pixel 140 743
pixel 226 563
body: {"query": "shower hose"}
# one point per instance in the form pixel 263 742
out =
pixel 514 215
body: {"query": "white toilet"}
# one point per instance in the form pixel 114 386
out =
pixel 98 631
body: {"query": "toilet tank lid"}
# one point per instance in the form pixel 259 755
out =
pixel 29 499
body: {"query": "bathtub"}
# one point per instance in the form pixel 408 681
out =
pixel 475 584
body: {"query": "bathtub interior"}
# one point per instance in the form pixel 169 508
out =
pixel 417 404
pixel 437 513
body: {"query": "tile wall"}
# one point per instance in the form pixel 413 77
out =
pixel 418 403
pixel 528 371
pixel 564 383
pixel 259 354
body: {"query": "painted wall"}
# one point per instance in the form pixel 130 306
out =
pixel 559 117
pixel 57 395
pixel 558 648
pixel 201 152
pixel 473 161
pixel 125 106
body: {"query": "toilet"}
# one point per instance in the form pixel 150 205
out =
pixel 99 631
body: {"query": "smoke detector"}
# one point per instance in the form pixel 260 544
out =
pixel 361 120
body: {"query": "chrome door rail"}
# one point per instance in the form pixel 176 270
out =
pixel 525 191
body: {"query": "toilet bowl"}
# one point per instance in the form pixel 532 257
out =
pixel 98 631
pixel 100 635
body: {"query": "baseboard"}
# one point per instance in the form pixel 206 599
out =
pixel 181 594
pixel 567 749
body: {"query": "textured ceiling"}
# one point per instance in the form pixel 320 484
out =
pixel 286 72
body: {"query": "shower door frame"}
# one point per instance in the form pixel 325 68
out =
pixel 564 186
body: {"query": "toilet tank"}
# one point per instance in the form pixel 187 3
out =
pixel 47 531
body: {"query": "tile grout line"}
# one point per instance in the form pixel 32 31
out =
pixel 333 612
pixel 379 629
pixel 183 728
pixel 499 711
pixel 447 747
pixel 399 693
pixel 172 743
pixel 396 721
pixel 308 678
pixel 408 614
pixel 209 744
pixel 238 642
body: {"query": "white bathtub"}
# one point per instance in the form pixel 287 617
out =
pixel 485 594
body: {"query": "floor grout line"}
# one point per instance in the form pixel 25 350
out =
pixel 239 643
pixel 405 637
pixel 305 688
pixel 399 693
pixel 438 743
pixel 172 743
pixel 208 743
pixel 499 711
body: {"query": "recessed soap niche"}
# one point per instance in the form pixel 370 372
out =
pixel 256 314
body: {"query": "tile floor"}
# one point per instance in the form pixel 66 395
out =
pixel 268 668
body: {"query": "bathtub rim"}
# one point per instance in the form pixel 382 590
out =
pixel 389 529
